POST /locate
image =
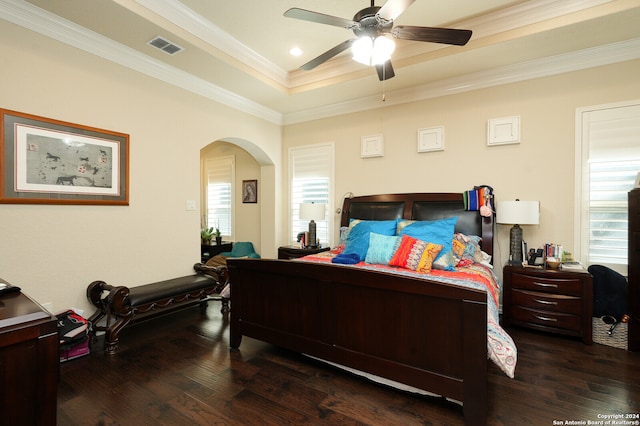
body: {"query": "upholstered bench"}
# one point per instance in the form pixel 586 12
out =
pixel 121 305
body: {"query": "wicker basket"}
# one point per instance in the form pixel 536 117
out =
pixel 619 337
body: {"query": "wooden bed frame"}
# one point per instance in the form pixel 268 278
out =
pixel 431 336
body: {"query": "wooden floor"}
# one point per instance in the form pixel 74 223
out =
pixel 178 370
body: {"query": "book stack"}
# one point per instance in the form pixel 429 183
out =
pixel 73 332
pixel 555 251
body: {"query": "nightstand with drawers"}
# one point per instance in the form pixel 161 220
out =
pixel 549 300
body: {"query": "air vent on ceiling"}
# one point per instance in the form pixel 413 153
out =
pixel 165 45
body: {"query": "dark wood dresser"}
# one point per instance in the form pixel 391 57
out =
pixel 634 270
pixel 29 362
pixel 549 300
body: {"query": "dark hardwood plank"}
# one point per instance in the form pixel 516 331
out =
pixel 178 369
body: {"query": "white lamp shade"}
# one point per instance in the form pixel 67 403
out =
pixel 518 212
pixel 312 211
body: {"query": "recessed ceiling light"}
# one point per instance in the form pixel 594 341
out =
pixel 295 51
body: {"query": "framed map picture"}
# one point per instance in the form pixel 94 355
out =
pixel 45 161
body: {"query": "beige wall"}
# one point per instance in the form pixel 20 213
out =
pixel 541 167
pixel 54 252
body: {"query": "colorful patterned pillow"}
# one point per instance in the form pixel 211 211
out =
pixel 471 246
pixel 359 230
pixel 448 261
pixel 381 248
pixel 435 231
pixel 472 252
pixel 465 250
pixel 415 254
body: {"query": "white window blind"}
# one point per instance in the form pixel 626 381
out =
pixel 610 182
pixel 220 173
pixel 311 174
pixel 611 162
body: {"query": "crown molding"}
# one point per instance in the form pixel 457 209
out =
pixel 545 67
pixel 343 68
pixel 50 25
pixel 191 22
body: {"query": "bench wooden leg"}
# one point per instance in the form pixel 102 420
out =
pixel 94 294
pixel 111 336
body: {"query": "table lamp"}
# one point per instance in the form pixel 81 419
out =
pixel 517 213
pixel 312 212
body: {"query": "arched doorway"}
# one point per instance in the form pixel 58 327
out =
pixel 255 222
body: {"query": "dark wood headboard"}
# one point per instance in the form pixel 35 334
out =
pixel 420 206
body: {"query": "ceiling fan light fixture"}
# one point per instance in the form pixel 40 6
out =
pixel 373 27
pixel 368 51
pixel 383 47
pixel 362 49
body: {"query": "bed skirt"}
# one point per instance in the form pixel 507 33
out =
pixel 382 380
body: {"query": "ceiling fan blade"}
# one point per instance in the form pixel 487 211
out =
pixel 432 35
pixel 320 18
pixel 328 55
pixel 393 8
pixel 385 71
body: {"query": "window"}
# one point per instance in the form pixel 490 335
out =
pixel 311 180
pixel 610 181
pixel 220 175
pixel 609 153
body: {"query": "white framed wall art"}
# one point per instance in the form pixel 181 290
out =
pixel 372 146
pixel 503 131
pixel 431 139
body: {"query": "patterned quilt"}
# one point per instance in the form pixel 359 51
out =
pixel 500 346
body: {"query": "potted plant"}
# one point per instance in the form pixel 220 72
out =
pixel 218 236
pixel 207 234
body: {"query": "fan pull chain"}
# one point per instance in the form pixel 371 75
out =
pixel 384 79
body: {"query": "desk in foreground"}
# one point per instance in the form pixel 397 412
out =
pixel 29 362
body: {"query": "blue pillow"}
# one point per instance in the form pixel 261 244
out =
pixel 358 238
pixel 434 231
pixel 381 248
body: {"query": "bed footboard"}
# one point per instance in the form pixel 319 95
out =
pixel 431 336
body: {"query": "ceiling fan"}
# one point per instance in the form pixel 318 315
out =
pixel 371 24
